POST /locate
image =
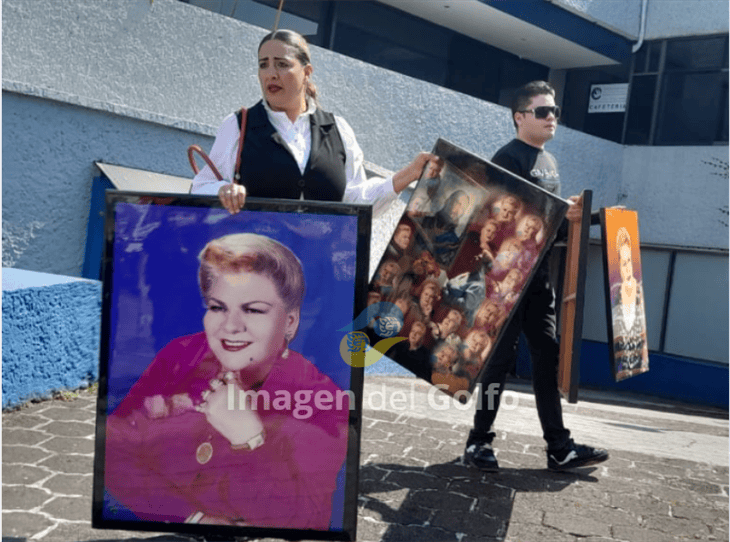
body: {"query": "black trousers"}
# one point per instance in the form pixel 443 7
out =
pixel 535 317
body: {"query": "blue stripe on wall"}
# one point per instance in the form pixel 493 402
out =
pixel 669 377
pixel 567 25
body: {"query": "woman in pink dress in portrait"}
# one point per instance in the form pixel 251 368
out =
pixel 180 449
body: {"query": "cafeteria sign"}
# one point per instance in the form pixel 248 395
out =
pixel 608 98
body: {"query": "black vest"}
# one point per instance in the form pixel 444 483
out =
pixel 268 169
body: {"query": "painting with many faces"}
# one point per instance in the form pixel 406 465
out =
pixel 629 352
pixel 457 265
pixel 226 406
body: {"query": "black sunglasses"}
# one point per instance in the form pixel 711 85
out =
pixel 543 111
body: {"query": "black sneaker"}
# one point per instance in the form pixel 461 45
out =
pixel 481 456
pixel 575 455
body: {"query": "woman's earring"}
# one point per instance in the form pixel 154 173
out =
pixel 285 353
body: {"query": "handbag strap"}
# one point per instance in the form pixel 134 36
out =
pixel 193 149
pixel 236 172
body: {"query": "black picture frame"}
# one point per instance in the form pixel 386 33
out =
pixel 440 268
pixel 151 299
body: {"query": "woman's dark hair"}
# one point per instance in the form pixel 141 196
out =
pixel 301 53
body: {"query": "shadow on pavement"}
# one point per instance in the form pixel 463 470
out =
pixel 444 500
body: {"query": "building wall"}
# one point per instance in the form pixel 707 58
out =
pixel 678 192
pixel 665 18
pixel 49 149
pixel 89 80
pixel 134 92
pixel 621 16
pixel 686 18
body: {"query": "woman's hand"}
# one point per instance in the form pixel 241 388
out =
pixel 413 171
pixel 232 196
pixel 238 426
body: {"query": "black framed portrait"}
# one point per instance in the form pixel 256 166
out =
pixel 457 264
pixel 226 406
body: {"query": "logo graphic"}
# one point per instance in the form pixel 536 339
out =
pixel 386 321
pixel 596 93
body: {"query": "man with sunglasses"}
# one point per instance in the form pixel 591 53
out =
pixel 535 117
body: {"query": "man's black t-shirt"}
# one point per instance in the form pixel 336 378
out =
pixel 535 165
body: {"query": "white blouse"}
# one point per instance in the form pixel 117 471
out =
pixel 298 138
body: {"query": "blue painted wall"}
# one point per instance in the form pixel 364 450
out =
pixel 669 377
pixel 51 328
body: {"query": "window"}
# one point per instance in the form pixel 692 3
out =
pixel 679 93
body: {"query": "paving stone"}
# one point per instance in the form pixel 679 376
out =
pixel 429 456
pixel 23 498
pixel 70 445
pixel 408 440
pixel 452 435
pixel 70 464
pixel 69 508
pixel 66 532
pixel 27 421
pixel 370 530
pixel 636 534
pixel 410 514
pixel 704 514
pixel 68 414
pixel 576 525
pixel 454 469
pixel 380 447
pixel 416 480
pixel 640 505
pixel 369 414
pixel 400 428
pixel 24 454
pixel 528 532
pixel 401 533
pixel 373 433
pixel 70 484
pixel 481 490
pixel 24 524
pixel 383 491
pixel 396 462
pixel 28 437
pixel 440 500
pixel 70 429
pixel 696 486
pixel 474 523
pixel 678 527
pixel 372 472
pixel 23 474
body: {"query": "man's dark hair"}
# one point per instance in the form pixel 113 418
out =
pixel 523 95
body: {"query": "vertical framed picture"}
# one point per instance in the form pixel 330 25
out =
pixel 625 315
pixel 573 297
pixel 457 265
pixel 226 407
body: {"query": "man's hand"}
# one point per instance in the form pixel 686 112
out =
pixel 575 211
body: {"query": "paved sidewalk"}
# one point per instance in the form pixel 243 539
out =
pixel 666 480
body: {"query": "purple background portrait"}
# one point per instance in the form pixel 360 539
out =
pixel 155 295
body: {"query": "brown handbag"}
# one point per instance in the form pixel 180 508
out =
pixel 192 149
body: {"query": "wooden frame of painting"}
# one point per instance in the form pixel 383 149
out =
pixel 573 297
pixel 457 265
pixel 625 309
pixel 226 408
